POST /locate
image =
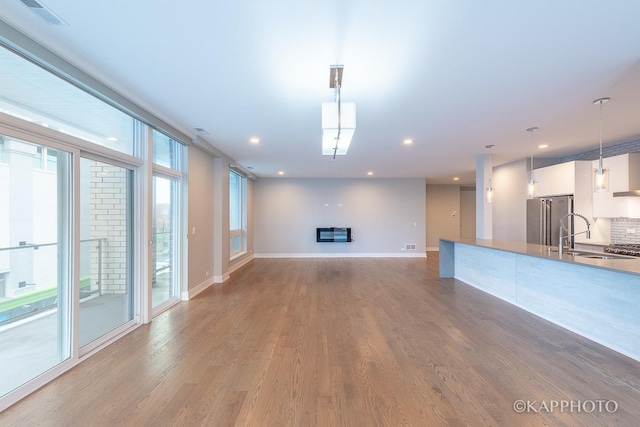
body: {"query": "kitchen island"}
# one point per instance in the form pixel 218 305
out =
pixel 596 298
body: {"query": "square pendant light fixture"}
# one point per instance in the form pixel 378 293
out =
pixel 338 119
pixel 338 127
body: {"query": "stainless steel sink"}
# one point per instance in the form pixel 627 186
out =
pixel 605 256
pixel 592 255
pixel 577 253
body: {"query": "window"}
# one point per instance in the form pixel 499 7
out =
pixel 166 151
pixel 237 214
pixel 166 222
pixel 3 289
pixel 106 282
pixel 166 235
pixel 33 94
pixel 45 159
pixel 56 310
pixel 35 265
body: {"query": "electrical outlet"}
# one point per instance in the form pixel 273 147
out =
pixel 206 273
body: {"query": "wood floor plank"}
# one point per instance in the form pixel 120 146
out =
pixel 339 342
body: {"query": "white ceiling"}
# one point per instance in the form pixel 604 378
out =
pixel 453 75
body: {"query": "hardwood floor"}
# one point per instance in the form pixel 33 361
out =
pixel 342 342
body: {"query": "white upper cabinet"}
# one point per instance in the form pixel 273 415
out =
pixel 571 178
pixel 555 180
pixel 624 173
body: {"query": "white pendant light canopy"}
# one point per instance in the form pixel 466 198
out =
pixel 600 175
pixel 531 187
pixel 338 118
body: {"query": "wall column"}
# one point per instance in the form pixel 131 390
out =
pixel 221 220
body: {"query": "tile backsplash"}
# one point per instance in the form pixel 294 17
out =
pixel 620 230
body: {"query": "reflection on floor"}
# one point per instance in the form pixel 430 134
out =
pixel 30 347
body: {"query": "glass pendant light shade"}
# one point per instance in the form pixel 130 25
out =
pixel 531 188
pixel 600 179
pixel 600 175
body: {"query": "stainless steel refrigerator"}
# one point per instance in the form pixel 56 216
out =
pixel 543 220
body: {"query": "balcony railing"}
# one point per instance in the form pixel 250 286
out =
pixel 32 296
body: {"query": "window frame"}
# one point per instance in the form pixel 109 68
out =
pixel 175 174
pixel 241 232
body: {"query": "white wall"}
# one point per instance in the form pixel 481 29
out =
pixel 510 201
pixel 442 214
pixel 467 213
pixel 384 215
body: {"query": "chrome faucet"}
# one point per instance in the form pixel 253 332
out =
pixel 588 232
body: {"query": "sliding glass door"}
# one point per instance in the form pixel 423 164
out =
pixel 166 256
pixel 35 260
pixel 165 226
pixel 106 285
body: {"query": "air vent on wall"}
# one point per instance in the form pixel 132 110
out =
pixel 43 12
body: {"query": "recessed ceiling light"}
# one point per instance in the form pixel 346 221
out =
pixel 543 146
pixel 254 140
pixel 202 131
pixel 112 138
pixel 250 168
pixel 455 178
pixel 489 146
pixel 407 141
pixel 370 173
pixel 280 172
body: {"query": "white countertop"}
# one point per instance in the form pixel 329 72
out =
pixel 630 265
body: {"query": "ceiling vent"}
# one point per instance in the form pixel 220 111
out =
pixel 43 12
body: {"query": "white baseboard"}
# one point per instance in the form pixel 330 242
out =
pixel 343 255
pixel 187 295
pixel 221 279
pixel 241 263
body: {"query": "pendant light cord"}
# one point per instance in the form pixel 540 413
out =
pixel 531 131
pixel 600 101
pixel 337 99
pixel 600 162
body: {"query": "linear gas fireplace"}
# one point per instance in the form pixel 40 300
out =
pixel 333 234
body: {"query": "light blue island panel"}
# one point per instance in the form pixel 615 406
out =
pixel 599 304
pixel 491 271
pixel 447 259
